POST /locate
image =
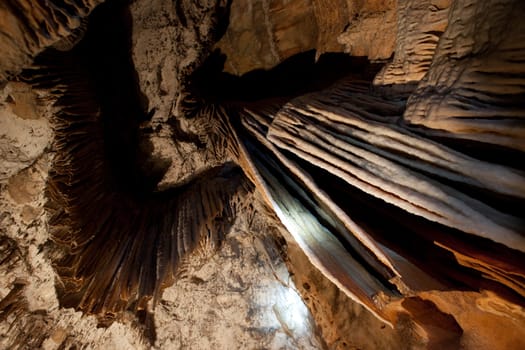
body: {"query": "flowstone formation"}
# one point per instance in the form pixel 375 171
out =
pixel 302 174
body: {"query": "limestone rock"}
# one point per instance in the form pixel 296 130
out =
pixel 28 27
pixel 419 27
pixel 371 28
pixel 143 207
pixel 24 131
pixel 264 33
pixel 473 89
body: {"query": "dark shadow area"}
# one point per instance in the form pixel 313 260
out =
pixel 105 52
pixel 117 243
pixel 100 188
pixel 442 329
pixel 295 76
pixel 102 80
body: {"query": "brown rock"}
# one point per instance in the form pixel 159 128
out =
pixel 398 237
pixel 371 29
pixel 473 89
pixel 419 27
pixel 28 27
pixel 25 186
pixel 23 101
pixel 264 33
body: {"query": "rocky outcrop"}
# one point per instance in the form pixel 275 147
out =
pixel 398 194
pixel 24 129
pixel 357 142
pixel 264 33
pixel 28 27
pixel 474 88
pixel 371 28
pixel 367 139
pixel 419 27
pixel 365 152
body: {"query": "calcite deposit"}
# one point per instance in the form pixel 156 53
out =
pixel 262 174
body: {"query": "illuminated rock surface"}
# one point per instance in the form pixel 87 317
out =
pixel 382 195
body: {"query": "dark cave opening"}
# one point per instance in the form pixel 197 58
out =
pixel 101 80
pixel 105 54
pixel 297 75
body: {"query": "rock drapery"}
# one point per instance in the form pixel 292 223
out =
pixel 401 188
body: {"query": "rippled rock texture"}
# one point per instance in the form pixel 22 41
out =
pixel 262 174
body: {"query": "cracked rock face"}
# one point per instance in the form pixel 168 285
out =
pixel 305 174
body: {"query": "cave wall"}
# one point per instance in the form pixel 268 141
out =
pixel 263 34
pixel 445 54
pixel 29 27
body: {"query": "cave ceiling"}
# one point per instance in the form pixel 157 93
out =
pixel 384 139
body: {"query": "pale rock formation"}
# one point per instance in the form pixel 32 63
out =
pixel 263 33
pixel 474 87
pixel 371 28
pixel 24 129
pixel 374 223
pixel 419 27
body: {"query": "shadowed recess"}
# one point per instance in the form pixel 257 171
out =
pixel 119 242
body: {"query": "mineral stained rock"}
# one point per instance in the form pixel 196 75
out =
pixel 229 175
pixel 263 33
